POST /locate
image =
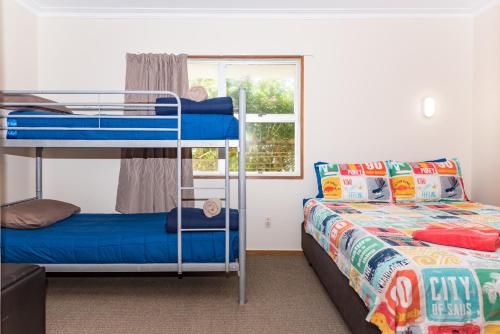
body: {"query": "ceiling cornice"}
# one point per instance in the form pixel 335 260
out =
pixel 484 5
pixel 31 5
pixel 254 13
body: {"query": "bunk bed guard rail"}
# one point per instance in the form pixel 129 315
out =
pixel 119 108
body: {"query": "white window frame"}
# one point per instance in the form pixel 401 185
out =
pixel 264 118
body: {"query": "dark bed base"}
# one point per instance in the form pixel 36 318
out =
pixel 350 306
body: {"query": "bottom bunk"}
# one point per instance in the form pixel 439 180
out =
pixel 96 240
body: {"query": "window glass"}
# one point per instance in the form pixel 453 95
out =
pixel 206 75
pixel 270 88
pixel 205 159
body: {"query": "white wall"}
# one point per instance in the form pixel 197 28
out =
pixel 486 107
pixel 18 70
pixel 363 85
pixel 362 91
pixel 18 46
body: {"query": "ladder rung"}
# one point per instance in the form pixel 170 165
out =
pixel 202 229
pixel 202 188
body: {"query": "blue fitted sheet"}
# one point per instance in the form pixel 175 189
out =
pixel 194 127
pixel 112 238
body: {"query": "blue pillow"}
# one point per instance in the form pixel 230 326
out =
pixel 195 218
pixel 215 106
pixel 438 160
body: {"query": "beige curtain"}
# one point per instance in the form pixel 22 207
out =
pixel 148 179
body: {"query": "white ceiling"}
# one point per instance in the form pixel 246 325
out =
pixel 275 8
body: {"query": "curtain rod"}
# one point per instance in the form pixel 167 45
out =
pixel 257 56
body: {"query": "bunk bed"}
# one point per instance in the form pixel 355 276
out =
pixel 127 242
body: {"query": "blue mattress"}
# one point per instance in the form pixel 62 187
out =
pixel 112 238
pixel 194 127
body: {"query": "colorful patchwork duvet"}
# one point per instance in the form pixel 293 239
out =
pixel 410 286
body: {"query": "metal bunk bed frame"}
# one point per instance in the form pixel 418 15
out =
pixel 179 267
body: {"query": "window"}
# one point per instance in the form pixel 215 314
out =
pixel 274 93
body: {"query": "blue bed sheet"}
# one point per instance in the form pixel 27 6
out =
pixel 194 127
pixel 112 238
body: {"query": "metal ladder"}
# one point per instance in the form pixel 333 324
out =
pixel 227 205
pixel 226 199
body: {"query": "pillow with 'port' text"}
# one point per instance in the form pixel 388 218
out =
pixel 427 181
pixel 353 182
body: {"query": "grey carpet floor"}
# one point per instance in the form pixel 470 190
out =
pixel 284 296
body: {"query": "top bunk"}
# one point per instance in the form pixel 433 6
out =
pixel 102 119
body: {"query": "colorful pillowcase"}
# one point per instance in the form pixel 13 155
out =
pixel 427 181
pixel 353 182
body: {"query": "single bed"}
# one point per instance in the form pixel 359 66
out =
pixel 113 238
pixel 406 285
pixel 58 126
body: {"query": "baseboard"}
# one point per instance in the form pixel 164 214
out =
pixel 260 252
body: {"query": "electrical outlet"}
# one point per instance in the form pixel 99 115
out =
pixel 267 222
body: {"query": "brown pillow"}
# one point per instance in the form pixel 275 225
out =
pixel 36 213
pixel 27 98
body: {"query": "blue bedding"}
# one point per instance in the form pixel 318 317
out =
pixel 194 127
pixel 218 105
pixel 112 238
pixel 195 218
